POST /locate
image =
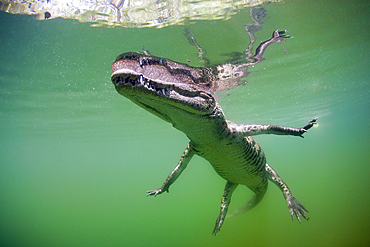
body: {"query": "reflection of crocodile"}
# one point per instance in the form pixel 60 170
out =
pixel 182 96
pixel 130 13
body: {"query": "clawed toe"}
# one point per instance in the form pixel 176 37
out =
pixel 152 192
pixel 297 209
pixel 310 124
pixel 283 34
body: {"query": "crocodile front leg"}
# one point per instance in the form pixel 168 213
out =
pixel 185 158
pixel 295 207
pixel 225 201
pixel 258 129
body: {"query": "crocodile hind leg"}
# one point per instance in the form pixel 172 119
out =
pixel 226 198
pixel 225 201
pixel 295 207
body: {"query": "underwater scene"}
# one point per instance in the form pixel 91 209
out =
pixel 77 158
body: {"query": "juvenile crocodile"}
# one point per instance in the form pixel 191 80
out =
pixel 182 96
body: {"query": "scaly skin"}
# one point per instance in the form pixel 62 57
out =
pixel 182 96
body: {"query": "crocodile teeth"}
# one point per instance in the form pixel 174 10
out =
pixel 141 79
pixel 136 81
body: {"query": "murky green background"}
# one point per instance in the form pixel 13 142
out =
pixel 76 158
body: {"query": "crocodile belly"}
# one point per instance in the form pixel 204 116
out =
pixel 241 162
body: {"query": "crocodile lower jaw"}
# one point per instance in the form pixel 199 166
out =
pixel 180 95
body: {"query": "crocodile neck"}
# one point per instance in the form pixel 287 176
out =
pixel 202 130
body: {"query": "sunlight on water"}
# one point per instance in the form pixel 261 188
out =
pixel 77 158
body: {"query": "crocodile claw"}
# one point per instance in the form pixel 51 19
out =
pixel 310 124
pixel 307 127
pixel 153 192
pixel 296 209
pixel 279 36
pixel 156 192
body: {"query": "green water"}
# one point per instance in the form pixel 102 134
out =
pixel 76 158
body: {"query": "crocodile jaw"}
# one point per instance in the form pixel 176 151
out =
pixel 158 90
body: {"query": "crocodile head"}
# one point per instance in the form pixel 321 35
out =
pixel 163 87
pixel 169 89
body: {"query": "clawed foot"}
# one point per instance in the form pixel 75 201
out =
pixel 279 36
pixel 307 127
pixel 154 192
pixel 218 225
pixel 296 209
pixel 310 124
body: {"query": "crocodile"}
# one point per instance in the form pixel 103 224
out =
pixel 185 97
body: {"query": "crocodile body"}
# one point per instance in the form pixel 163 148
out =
pixel 183 96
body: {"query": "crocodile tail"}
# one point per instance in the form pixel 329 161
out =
pixel 250 204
